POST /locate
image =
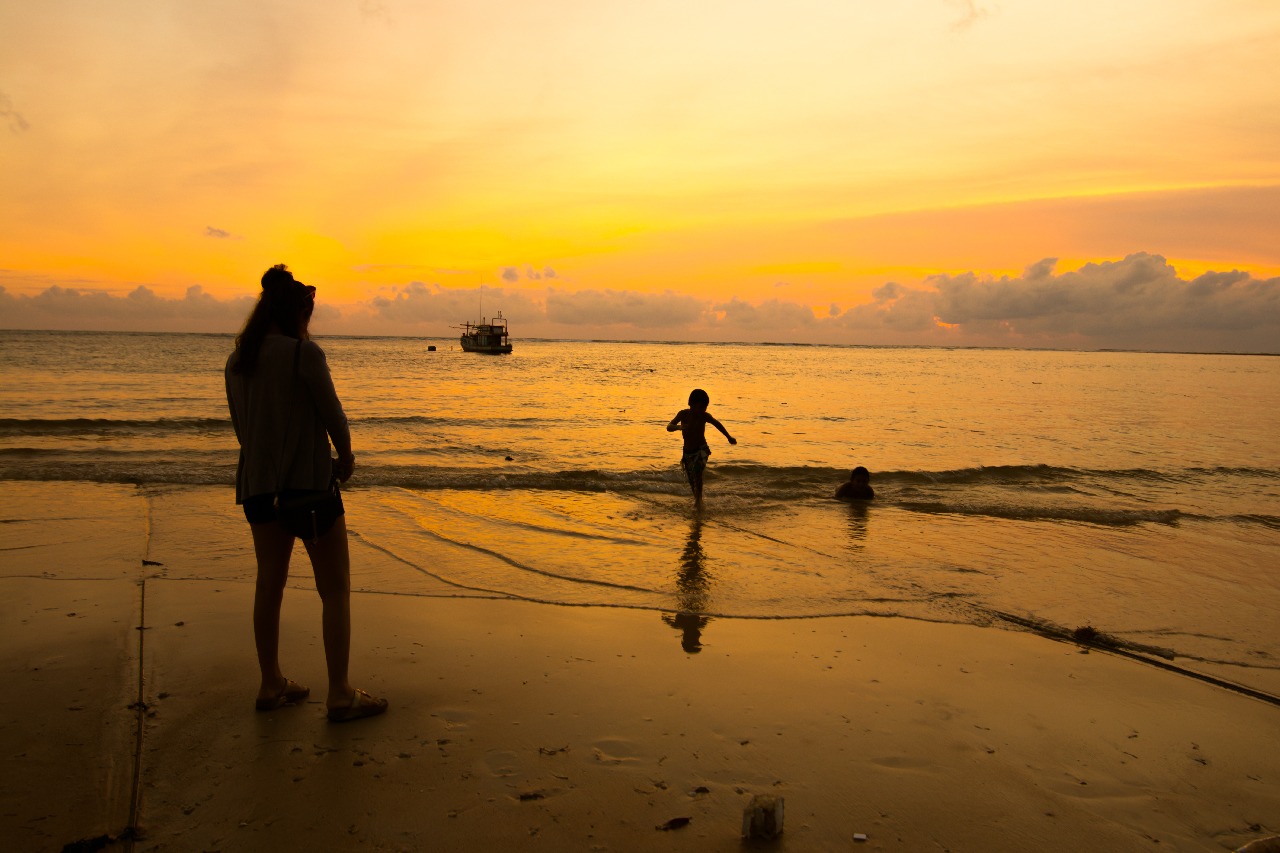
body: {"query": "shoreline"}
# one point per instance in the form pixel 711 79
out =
pixel 513 722
pixel 519 725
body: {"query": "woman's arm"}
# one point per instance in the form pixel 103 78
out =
pixel 314 370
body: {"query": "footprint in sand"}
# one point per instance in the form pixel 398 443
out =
pixel 615 751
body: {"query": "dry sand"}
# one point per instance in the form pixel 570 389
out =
pixel 523 726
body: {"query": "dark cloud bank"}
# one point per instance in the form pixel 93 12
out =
pixel 91 308
pixel 1137 303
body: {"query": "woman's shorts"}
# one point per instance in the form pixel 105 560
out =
pixel 261 509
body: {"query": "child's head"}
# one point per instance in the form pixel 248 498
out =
pixel 860 475
pixel 698 399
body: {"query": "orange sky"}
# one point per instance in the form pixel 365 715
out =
pixel 807 152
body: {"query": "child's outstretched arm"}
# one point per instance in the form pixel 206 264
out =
pixel 715 423
pixel 675 422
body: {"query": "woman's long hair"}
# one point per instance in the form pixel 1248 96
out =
pixel 284 303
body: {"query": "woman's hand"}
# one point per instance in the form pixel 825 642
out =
pixel 344 466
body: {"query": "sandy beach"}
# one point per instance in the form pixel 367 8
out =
pixel 522 726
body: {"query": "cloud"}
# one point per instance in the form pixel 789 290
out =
pixel 596 309
pixel 417 304
pixel 513 274
pixel 141 309
pixel 894 309
pixel 210 231
pixel 970 13
pixel 773 319
pixel 11 117
pixel 1138 302
pixel 375 10
pixel 550 313
pixel 1040 270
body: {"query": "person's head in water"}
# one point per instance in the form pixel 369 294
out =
pixel 858 488
pixel 699 400
pixel 284 305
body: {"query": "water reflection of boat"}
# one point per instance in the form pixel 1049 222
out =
pixel 486 336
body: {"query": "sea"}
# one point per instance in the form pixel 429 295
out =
pixel 1130 499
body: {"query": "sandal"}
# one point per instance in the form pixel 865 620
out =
pixel 363 704
pixel 290 694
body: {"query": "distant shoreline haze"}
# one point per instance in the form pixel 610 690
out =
pixel 450 340
pixel 1140 303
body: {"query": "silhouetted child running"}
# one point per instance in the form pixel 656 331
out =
pixel 858 488
pixel 693 423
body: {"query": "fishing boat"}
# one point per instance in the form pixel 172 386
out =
pixel 486 336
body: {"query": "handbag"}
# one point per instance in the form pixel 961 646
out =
pixel 306 513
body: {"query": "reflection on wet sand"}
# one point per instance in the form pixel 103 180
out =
pixel 693 591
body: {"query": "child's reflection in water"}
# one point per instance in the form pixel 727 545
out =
pixel 693 592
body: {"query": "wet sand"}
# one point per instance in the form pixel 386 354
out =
pixel 524 726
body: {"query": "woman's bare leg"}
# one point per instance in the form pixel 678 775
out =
pixel 273 546
pixel 331 565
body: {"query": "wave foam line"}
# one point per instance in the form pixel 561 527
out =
pixel 516 564
pixel 103 426
pixel 442 579
pixel 1090 515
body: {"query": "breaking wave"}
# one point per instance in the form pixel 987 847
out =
pixel 1032 493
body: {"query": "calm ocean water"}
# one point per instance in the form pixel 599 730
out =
pixel 1137 493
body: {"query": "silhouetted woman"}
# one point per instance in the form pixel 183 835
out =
pixel 285 411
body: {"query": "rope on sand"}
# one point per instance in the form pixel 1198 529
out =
pixel 1089 638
